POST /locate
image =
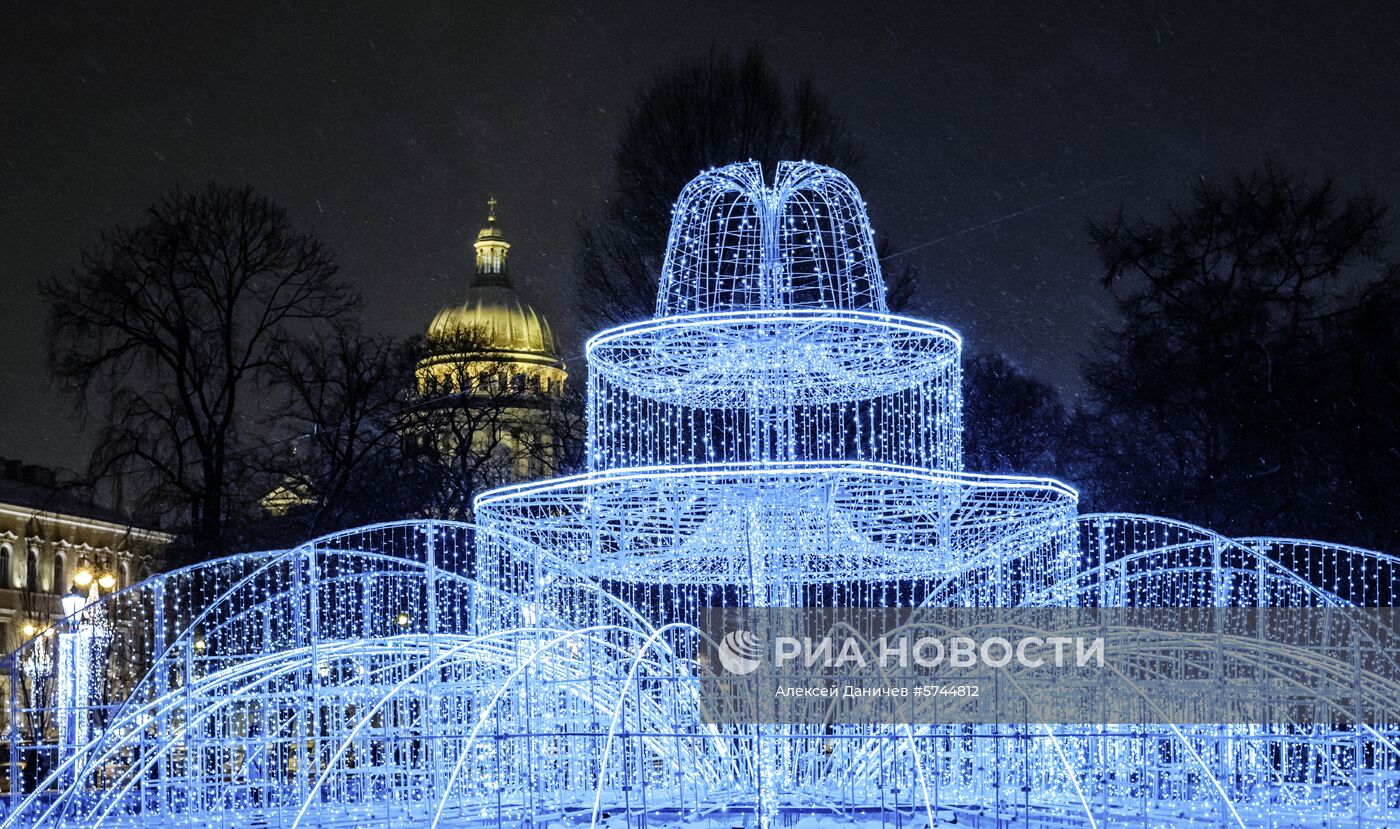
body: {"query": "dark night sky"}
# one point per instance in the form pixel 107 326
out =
pixel 384 128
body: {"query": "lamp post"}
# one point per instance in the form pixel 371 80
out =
pixel 73 668
pixel 86 624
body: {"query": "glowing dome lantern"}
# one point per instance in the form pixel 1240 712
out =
pixel 492 329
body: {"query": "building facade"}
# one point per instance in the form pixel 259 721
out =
pixel 52 542
pixel 59 553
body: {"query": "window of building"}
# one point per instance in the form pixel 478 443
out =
pixel 6 577
pixel 59 585
pixel 31 571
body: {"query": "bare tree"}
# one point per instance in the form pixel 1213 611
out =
pixel 1223 394
pixel 37 663
pixel 342 395
pixel 170 327
pixel 385 428
pixel 690 118
pixel 560 448
pixel 1012 422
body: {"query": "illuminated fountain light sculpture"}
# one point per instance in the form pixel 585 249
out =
pixel 775 434
pixel 773 437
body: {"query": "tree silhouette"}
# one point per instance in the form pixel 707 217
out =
pixel 692 117
pixel 1223 395
pixel 341 464
pixel 169 329
pixel 1012 422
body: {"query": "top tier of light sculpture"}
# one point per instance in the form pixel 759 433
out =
pixel 772 340
pixel 737 244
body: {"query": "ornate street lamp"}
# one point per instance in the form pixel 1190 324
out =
pixel 74 601
pixel 86 636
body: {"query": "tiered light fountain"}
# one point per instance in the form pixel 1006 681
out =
pixel 774 437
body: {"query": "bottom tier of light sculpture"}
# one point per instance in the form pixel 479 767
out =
pixel 380 678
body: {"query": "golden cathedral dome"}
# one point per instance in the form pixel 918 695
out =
pixel 493 323
pixel 492 320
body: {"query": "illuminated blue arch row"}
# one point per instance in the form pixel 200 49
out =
pixel 1230 570
pixel 394 652
pixel 313 575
